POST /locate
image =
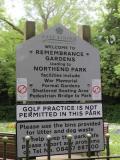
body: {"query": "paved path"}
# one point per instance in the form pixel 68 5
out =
pixel 59 157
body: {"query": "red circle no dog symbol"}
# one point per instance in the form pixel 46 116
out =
pixel 22 89
pixel 96 89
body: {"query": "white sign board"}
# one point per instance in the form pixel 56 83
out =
pixel 58 111
pixel 59 130
pixel 58 66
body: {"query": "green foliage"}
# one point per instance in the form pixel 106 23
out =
pixel 67 12
pixel 111 113
pixel 107 39
pixel 8 41
pixel 52 12
pixel 7 113
pixel 117 69
pixel 110 80
pixel 10 36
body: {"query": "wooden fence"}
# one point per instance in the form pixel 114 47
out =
pixel 8 145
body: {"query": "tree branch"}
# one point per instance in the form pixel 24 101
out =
pixel 12 25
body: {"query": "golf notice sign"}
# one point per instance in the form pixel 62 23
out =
pixel 58 111
pixel 58 66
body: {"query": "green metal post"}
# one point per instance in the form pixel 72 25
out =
pixel 27 138
pixel 89 143
pixel 5 140
pixel 69 137
pixel 49 137
pixel 107 146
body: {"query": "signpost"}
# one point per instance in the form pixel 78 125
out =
pixel 59 70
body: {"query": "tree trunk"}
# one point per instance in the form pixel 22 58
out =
pixel 45 24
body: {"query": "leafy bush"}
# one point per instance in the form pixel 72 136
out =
pixel 111 113
pixel 7 113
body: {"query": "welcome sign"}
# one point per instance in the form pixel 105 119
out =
pixel 58 66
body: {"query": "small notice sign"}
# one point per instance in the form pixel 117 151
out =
pixel 38 132
pixel 21 89
pixel 58 111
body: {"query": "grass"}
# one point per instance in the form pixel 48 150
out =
pixel 112 115
pixel 114 139
pixel 7 127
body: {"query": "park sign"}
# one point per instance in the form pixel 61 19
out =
pixel 57 66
